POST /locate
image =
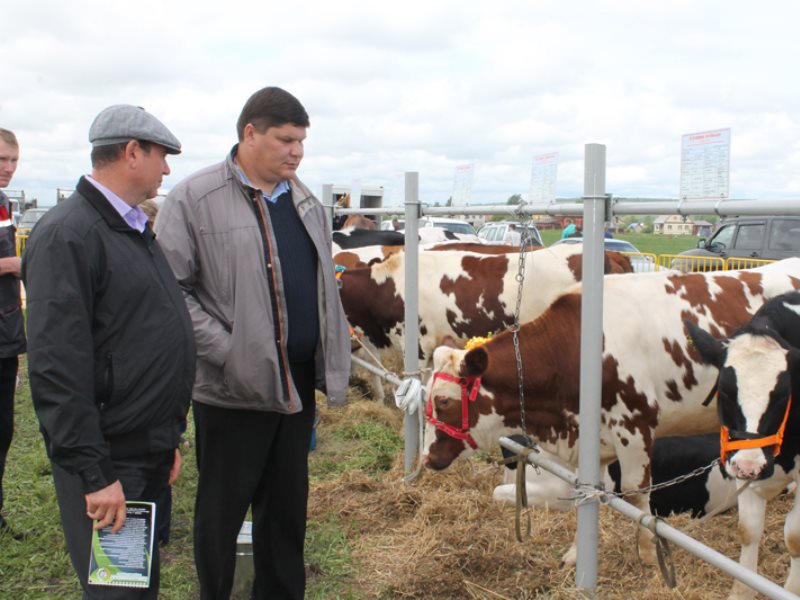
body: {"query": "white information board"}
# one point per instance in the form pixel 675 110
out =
pixel 355 193
pixel 543 178
pixel 462 185
pixel 705 165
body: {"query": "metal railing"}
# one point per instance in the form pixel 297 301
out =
pixel 596 207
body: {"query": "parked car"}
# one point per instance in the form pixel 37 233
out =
pixel 496 232
pixel 388 225
pixel 763 238
pixel 640 263
pixel 29 219
pixel 454 225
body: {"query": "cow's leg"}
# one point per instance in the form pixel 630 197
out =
pixel 791 534
pixel 376 388
pixel 752 508
pixel 635 474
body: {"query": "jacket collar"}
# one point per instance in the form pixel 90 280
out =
pixel 300 193
pixel 109 214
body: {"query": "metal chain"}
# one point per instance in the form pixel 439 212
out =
pixel 671 482
pixel 520 278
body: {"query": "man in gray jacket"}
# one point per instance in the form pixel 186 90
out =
pixel 250 246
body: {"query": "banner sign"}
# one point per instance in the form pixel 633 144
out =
pixel 705 165
pixel 543 178
pixel 462 186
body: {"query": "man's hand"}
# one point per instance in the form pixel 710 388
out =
pixel 11 265
pixel 107 506
pixel 176 467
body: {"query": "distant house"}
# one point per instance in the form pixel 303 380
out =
pixel 703 228
pixel 673 225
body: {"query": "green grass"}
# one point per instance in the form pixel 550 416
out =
pixel 39 567
pixel 645 242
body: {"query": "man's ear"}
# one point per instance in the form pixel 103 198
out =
pixel 710 349
pixel 475 362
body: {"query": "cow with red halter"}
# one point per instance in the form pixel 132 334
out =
pixel 758 402
pixel 461 294
pixel 652 384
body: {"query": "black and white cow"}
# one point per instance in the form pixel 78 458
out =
pixel 758 401
pixel 673 456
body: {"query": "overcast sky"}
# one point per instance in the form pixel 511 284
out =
pixel 419 86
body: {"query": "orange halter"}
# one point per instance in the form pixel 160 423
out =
pixel 726 445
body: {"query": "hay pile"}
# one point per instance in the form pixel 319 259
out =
pixel 443 537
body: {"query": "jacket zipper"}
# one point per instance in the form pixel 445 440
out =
pixel 276 314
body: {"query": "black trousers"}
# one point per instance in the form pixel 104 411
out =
pixel 142 478
pixel 260 459
pixel 8 385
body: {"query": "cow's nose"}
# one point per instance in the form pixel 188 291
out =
pixel 747 469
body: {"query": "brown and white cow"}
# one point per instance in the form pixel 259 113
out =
pixel 758 402
pixel 653 383
pixel 461 294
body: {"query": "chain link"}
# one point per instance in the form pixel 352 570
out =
pixel 524 240
pixel 671 482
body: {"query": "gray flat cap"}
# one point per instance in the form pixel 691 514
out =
pixel 124 122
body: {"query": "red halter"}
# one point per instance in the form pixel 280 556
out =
pixel 467 396
pixel 726 445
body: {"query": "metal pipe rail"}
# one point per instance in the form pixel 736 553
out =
pixel 709 555
pixel 383 374
pixel 619 206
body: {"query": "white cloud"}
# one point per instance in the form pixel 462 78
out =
pixel 420 86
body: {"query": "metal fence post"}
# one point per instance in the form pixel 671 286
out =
pixel 594 196
pixel 411 422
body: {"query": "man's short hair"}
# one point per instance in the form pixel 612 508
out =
pixel 105 155
pixel 9 138
pixel 271 107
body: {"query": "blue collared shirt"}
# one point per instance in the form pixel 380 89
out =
pixel 133 215
pixel 281 188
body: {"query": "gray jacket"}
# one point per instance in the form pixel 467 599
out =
pixel 209 231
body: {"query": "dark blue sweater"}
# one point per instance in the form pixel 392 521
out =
pixel 298 259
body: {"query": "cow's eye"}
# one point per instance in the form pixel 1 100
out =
pixel 442 403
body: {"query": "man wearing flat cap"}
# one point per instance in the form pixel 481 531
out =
pixel 111 348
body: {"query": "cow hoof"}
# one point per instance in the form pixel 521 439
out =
pixel 570 558
pixel 741 592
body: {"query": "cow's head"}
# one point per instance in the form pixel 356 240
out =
pixel 753 395
pixel 452 410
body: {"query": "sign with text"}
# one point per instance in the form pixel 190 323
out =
pixel 543 178
pixel 705 165
pixel 462 186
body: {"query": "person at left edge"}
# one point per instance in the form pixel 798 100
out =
pixel 12 331
pixel 111 347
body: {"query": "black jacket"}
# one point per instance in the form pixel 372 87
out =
pixel 110 344
pixel 12 332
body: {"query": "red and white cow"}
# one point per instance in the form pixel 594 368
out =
pixel 461 294
pixel 758 402
pixel 653 383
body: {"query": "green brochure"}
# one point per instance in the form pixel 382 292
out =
pixel 124 558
